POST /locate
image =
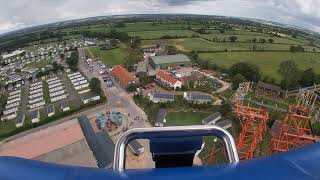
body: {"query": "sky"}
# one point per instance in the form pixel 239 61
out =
pixel 17 14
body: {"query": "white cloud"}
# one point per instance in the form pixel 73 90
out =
pixel 23 13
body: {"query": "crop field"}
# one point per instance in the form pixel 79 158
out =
pixel 200 44
pixel 185 118
pixel 267 61
pixel 111 57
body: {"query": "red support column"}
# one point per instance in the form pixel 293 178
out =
pixel 295 130
pixel 253 123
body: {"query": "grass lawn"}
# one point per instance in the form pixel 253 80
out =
pixel 7 127
pixel 46 95
pixel 41 64
pixel 267 61
pixel 185 118
pixel 112 57
pixel 200 44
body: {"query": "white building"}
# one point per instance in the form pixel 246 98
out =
pixel 36 105
pixel 90 98
pixel 168 80
pixel 35 116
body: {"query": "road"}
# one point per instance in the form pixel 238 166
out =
pixel 117 96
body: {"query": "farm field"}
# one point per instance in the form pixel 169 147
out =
pixel 246 38
pixel 185 118
pixel 111 57
pixel 199 44
pixel 133 27
pixel 267 61
pixel 159 34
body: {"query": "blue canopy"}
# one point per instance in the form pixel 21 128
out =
pixel 301 164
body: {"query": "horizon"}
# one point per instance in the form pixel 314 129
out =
pixel 178 14
pixel 17 15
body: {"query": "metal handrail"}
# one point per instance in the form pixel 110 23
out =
pixel 172 132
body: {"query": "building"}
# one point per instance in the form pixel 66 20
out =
pixel 88 97
pixel 161 118
pixel 167 80
pixel 142 68
pixel 50 110
pixel 35 116
pixel 64 106
pixel 136 147
pixel 162 98
pixel 196 98
pixel 211 119
pixel 166 61
pixel 49 144
pixel 123 76
pixel 100 143
pixel 20 119
pixel 267 89
pixel 225 124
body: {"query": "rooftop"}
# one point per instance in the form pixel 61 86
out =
pixel 122 74
pixel 167 77
pixel 34 114
pixel 161 115
pixel 100 143
pixel 163 96
pixel 167 59
pixel 50 109
pixel 195 96
pixel 43 141
pixel 213 117
pixel 141 67
pixel 269 86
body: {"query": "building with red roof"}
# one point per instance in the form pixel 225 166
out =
pixel 168 80
pixel 123 76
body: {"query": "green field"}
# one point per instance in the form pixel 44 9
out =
pixel 111 57
pixel 267 61
pixel 159 34
pixel 41 64
pixel 246 38
pixel 200 44
pixel 185 118
pixel 133 27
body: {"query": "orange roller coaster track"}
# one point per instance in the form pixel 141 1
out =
pixel 295 130
pixel 254 124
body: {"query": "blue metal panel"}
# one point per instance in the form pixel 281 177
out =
pixel 302 164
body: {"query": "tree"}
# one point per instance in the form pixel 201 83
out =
pixel 262 40
pixel 237 79
pixel 56 67
pixel 270 40
pixel 287 68
pixel 73 61
pixel 95 85
pixel 221 31
pixel 290 73
pixel 131 88
pixel 250 71
pixel 233 38
pixel 135 42
pixel 308 78
pixel 254 40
